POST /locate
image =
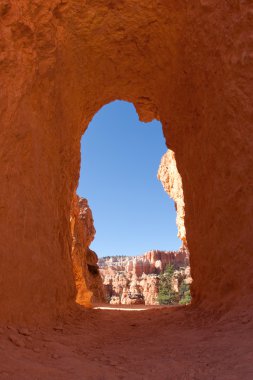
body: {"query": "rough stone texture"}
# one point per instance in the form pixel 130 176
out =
pixel 94 280
pixel 157 343
pixel 149 285
pixel 83 232
pixel 86 274
pixel 188 64
pixel 172 183
pixel 134 280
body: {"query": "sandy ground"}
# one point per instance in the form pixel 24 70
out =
pixel 163 343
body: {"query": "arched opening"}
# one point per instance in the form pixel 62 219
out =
pixel 157 56
pixel 142 258
pixel 190 62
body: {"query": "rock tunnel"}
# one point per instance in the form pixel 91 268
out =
pixel 184 63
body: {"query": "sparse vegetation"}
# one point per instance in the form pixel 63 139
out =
pixel 184 294
pixel 167 295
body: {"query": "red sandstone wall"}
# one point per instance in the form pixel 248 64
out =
pixel 94 279
pixel 89 286
pixel 83 232
pixel 188 62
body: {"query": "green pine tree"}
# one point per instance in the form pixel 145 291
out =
pixel 166 295
pixel 184 294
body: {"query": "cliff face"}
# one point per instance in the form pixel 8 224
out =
pixel 135 280
pixel 172 182
pixel 86 274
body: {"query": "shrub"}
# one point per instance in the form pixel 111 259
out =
pixel 184 294
pixel 166 295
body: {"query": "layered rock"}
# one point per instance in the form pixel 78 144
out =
pixel 172 182
pixel 135 280
pixel 86 273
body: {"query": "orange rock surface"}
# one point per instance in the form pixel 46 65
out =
pixel 172 183
pixel 94 280
pixel 88 282
pixel 161 343
pixel 188 64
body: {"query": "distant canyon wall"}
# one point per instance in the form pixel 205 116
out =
pixel 135 280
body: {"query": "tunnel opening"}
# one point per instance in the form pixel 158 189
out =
pixel 140 258
pixel 60 61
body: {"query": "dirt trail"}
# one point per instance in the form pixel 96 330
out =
pixel 161 344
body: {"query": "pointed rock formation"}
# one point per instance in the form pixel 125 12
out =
pixel 135 280
pixel 172 184
pixel 86 274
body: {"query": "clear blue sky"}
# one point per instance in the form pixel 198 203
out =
pixel 120 159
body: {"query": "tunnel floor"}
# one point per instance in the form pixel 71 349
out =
pixel 166 343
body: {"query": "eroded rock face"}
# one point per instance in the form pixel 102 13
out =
pixel 188 63
pixel 172 182
pixel 86 274
pixel 130 281
pixel 94 280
